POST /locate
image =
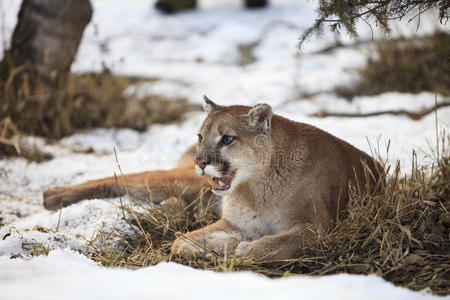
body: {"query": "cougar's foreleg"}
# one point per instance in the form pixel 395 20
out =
pixel 285 245
pixel 220 238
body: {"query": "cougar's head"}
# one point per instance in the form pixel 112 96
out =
pixel 234 144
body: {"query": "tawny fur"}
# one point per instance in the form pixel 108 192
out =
pixel 290 182
pixel 155 185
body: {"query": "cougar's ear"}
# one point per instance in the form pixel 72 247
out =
pixel 260 115
pixel 209 106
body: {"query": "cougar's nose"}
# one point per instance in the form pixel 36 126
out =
pixel 201 163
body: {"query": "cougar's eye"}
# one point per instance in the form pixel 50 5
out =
pixel 200 138
pixel 227 139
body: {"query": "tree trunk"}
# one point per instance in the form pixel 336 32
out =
pixel 46 38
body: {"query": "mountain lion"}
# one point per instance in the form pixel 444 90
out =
pixel 281 183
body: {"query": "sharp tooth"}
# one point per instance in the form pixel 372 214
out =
pixel 221 184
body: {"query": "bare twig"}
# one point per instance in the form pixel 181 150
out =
pixel 11 143
pixel 409 114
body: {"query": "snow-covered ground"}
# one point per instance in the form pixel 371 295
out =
pixel 192 54
pixel 72 276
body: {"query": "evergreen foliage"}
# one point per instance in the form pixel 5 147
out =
pixel 344 14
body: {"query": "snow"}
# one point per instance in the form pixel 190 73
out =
pixel 73 276
pixel 188 55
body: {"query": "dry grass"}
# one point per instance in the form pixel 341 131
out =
pixel 32 107
pixel 100 102
pixel 13 144
pixel 401 234
pixel 91 100
pixel 406 65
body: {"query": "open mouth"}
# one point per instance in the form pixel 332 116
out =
pixel 222 183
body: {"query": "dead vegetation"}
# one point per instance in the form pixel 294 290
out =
pixel 80 102
pixel 406 65
pixel 91 100
pixel 12 143
pixel 401 234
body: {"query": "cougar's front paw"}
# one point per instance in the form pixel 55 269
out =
pixel 242 248
pixel 255 250
pixel 185 248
